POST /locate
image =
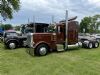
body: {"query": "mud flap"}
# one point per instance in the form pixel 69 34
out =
pixel 30 51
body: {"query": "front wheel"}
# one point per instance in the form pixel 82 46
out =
pixel 12 45
pixel 41 50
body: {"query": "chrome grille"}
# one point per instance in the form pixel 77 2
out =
pixel 29 39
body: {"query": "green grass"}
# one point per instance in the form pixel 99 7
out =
pixel 74 62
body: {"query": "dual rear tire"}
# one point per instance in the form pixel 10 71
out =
pixel 93 45
pixel 96 44
pixel 90 45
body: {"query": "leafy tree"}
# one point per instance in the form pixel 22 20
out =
pixel 90 24
pixel 6 26
pixel 96 22
pixel 85 24
pixel 8 7
pixel 17 28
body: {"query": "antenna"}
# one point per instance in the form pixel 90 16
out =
pixel 52 19
pixel 28 21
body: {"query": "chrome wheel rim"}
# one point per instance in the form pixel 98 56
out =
pixel 12 45
pixel 90 45
pixel 96 44
pixel 43 51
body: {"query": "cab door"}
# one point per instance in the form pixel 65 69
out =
pixel 60 34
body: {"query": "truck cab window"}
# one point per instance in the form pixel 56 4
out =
pixel 60 29
pixel 51 29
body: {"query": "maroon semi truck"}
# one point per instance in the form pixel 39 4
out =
pixel 59 37
pixel 54 40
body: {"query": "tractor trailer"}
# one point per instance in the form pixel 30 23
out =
pixel 64 36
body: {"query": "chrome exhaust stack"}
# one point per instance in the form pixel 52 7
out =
pixel 78 44
pixel 66 31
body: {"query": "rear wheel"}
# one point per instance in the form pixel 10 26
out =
pixel 98 40
pixel 90 45
pixel 41 50
pixel 96 45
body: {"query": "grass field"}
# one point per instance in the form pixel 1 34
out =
pixel 74 62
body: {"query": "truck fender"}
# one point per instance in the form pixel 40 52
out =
pixel 12 40
pixel 42 42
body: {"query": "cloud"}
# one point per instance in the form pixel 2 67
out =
pixel 95 2
pixel 44 9
pixel 44 6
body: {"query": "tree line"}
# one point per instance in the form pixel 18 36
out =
pixel 9 27
pixel 6 26
pixel 90 24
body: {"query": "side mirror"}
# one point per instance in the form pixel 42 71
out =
pixel 4 35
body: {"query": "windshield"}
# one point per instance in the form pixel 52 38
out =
pixel 11 34
pixel 29 30
pixel 51 29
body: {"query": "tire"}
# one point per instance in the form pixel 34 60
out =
pixel 96 45
pixel 41 50
pixel 12 45
pixel 98 40
pixel 90 45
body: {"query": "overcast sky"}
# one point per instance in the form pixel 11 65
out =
pixel 44 9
